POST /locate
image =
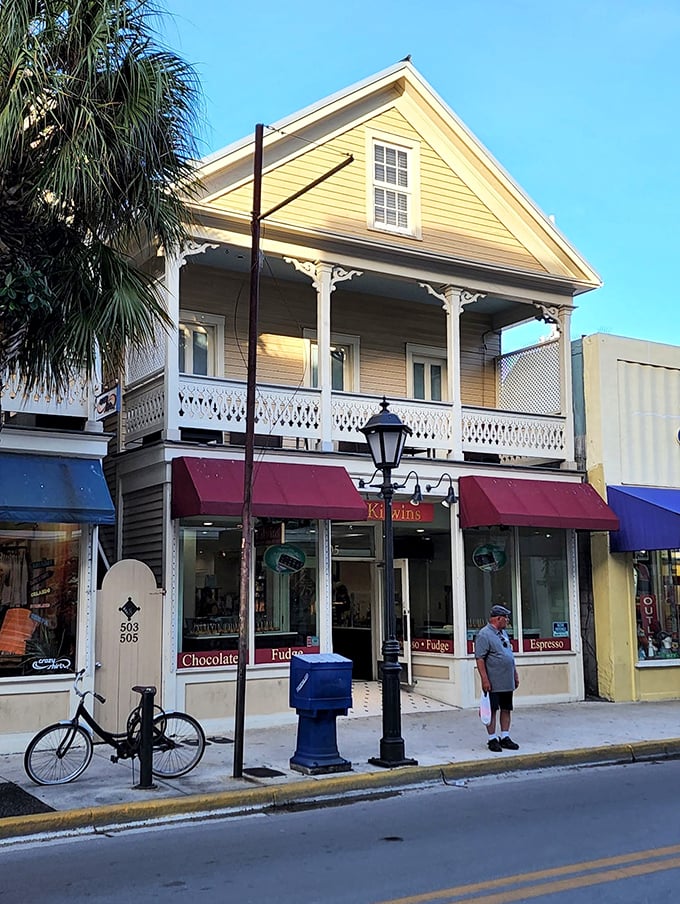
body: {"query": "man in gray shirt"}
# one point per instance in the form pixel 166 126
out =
pixel 496 667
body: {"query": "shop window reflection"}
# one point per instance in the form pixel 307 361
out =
pixel 544 589
pixel 489 568
pixel 39 580
pixel 657 604
pixel 284 578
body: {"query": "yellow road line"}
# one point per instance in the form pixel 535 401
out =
pixel 551 888
pixel 608 864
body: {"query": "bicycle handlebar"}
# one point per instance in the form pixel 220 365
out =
pixel 83 694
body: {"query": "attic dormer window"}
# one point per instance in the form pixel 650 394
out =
pixel 392 188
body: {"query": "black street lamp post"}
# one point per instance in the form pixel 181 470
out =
pixel 386 436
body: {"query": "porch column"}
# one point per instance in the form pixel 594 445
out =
pixel 323 284
pixel 453 300
pixel 566 397
pixel 325 586
pixel 173 264
pixel 458 601
pixel 325 277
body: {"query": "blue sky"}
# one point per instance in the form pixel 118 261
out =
pixel 577 99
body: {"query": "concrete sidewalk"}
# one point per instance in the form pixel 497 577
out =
pixel 449 744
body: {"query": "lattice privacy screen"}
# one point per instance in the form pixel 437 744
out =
pixel 529 380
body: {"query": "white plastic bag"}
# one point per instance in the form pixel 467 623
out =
pixel 485 708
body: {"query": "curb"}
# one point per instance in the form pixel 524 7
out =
pixel 308 791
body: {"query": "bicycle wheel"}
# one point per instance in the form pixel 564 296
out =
pixel 134 724
pixel 178 744
pixel 58 754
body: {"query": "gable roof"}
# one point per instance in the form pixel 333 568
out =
pixel 538 244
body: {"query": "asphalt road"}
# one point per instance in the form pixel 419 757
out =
pixel 610 834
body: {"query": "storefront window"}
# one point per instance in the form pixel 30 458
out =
pixel 544 588
pixel 353 540
pixel 210 569
pixel 489 567
pixel 427 548
pixel 286 591
pixel 526 570
pixel 39 568
pixel 285 617
pixel 657 603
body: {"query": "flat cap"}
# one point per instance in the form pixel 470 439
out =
pixel 499 610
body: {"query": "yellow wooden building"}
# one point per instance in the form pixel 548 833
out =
pixel 396 276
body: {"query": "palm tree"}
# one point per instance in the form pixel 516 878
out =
pixel 96 146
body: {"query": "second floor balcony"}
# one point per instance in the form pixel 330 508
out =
pixel 460 396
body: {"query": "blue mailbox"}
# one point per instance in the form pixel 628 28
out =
pixel 320 690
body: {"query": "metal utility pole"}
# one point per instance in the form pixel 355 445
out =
pixel 247 512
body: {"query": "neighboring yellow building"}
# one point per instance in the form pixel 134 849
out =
pixel 632 427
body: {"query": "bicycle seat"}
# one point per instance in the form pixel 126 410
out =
pixel 144 690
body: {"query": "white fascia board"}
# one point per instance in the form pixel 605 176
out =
pixel 301 118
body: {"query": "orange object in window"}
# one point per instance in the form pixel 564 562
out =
pixel 16 629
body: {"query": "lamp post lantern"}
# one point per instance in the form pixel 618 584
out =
pixel 386 436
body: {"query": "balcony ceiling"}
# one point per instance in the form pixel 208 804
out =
pixel 237 258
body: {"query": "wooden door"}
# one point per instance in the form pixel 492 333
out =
pixel 128 641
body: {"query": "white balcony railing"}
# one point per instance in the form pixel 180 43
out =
pixel 74 401
pixel 220 405
pixel 512 434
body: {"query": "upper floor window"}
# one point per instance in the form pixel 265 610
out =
pixel 427 377
pixel 393 187
pixel 344 362
pixel 201 344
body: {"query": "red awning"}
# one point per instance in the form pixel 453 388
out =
pixel 487 501
pixel 214 486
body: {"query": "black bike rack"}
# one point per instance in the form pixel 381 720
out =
pixel 146 736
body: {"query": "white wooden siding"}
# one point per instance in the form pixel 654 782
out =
pixel 385 326
pixel 454 220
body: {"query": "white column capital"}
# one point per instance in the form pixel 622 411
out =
pixel 552 314
pixel 187 250
pixel 339 274
pixel 453 298
pixel 308 268
pixel 317 270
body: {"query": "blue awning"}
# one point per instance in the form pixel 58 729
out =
pixel 53 489
pixel 649 518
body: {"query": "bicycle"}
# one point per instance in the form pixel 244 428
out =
pixel 61 752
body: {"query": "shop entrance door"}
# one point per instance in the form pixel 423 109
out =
pixel 402 617
pixel 352 614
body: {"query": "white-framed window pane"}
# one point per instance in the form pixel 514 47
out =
pixel 379 196
pixel 200 351
pixel 418 381
pixel 429 378
pixel 184 340
pixel 436 383
pixel 390 167
pixel 314 364
pixel 196 349
pixel 341 366
pixel 339 361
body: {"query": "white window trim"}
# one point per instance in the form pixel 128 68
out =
pixel 412 149
pixel 425 351
pixel 216 321
pixel 336 339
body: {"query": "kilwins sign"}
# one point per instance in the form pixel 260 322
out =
pixel 402 511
